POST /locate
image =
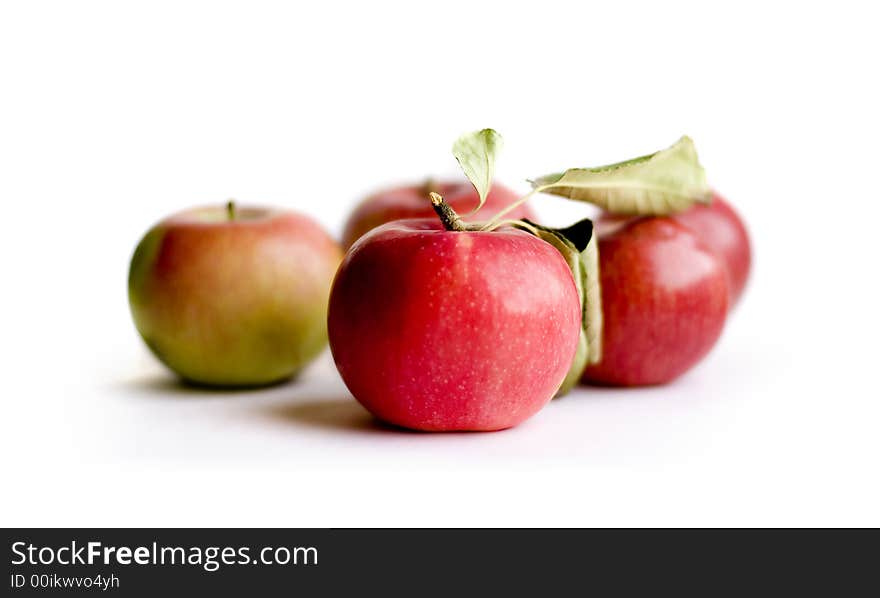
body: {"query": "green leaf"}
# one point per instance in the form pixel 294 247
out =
pixel 593 320
pixel 576 371
pixel 476 153
pixel 667 181
pixel 577 245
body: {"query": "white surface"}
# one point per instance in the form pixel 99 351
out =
pixel 112 115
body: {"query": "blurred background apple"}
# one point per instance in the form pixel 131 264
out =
pixel 411 201
pixel 233 296
pixel 722 230
pixel 664 301
pixel 719 227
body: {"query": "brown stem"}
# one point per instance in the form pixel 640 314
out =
pixel 450 220
pixel 230 209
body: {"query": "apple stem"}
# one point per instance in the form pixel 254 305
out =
pixel 429 186
pixel 450 220
pixel 230 209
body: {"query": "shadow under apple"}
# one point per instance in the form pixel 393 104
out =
pixel 331 414
pixel 170 387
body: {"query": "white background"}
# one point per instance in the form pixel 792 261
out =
pixel 113 114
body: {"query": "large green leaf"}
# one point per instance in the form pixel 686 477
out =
pixel 476 153
pixel 667 181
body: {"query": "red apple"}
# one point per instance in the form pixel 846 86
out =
pixel 664 301
pixel 721 229
pixel 233 296
pixel 412 202
pixel 442 330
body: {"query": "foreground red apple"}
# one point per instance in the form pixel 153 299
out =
pixel 721 229
pixel 412 202
pixel 664 301
pixel 442 330
pixel 233 297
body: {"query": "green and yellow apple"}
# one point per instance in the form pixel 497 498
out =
pixel 230 296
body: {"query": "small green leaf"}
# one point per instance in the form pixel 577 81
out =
pixel 577 366
pixel 667 181
pixel 476 153
pixel 577 244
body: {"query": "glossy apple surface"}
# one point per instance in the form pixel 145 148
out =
pixel 664 301
pixel 412 202
pixel 442 330
pixel 722 230
pixel 233 300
